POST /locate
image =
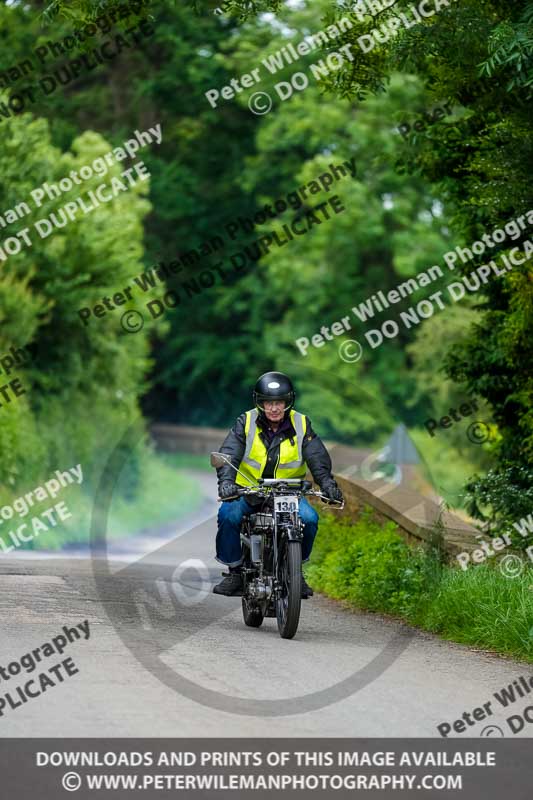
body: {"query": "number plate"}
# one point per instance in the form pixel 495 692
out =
pixel 286 503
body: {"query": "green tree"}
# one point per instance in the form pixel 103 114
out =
pixel 218 164
pixel 82 382
pixel 478 56
pixel 392 228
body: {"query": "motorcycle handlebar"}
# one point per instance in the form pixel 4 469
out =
pixel 339 504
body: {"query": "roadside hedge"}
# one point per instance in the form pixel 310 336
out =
pixel 370 566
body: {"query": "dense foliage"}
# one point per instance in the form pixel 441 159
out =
pixel 369 566
pixel 81 383
pixel 412 199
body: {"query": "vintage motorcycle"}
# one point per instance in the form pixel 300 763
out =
pixel 271 541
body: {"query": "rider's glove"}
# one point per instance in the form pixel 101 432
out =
pixel 331 490
pixel 228 489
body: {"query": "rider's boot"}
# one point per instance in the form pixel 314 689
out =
pixel 231 586
pixel 306 589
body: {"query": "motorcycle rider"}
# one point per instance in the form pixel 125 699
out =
pixel 271 440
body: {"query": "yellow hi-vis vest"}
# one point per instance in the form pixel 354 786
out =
pixel 290 463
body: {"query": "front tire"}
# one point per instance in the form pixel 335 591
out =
pixel 289 601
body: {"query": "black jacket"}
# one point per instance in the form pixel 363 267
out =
pixel 314 453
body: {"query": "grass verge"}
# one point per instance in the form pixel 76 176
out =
pixel 161 491
pixel 371 567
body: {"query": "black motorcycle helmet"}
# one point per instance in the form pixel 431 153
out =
pixel 273 386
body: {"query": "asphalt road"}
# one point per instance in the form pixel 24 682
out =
pixel 166 657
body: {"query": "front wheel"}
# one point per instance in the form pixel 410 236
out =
pixel 289 599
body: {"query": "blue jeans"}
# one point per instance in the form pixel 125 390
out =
pixel 230 516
